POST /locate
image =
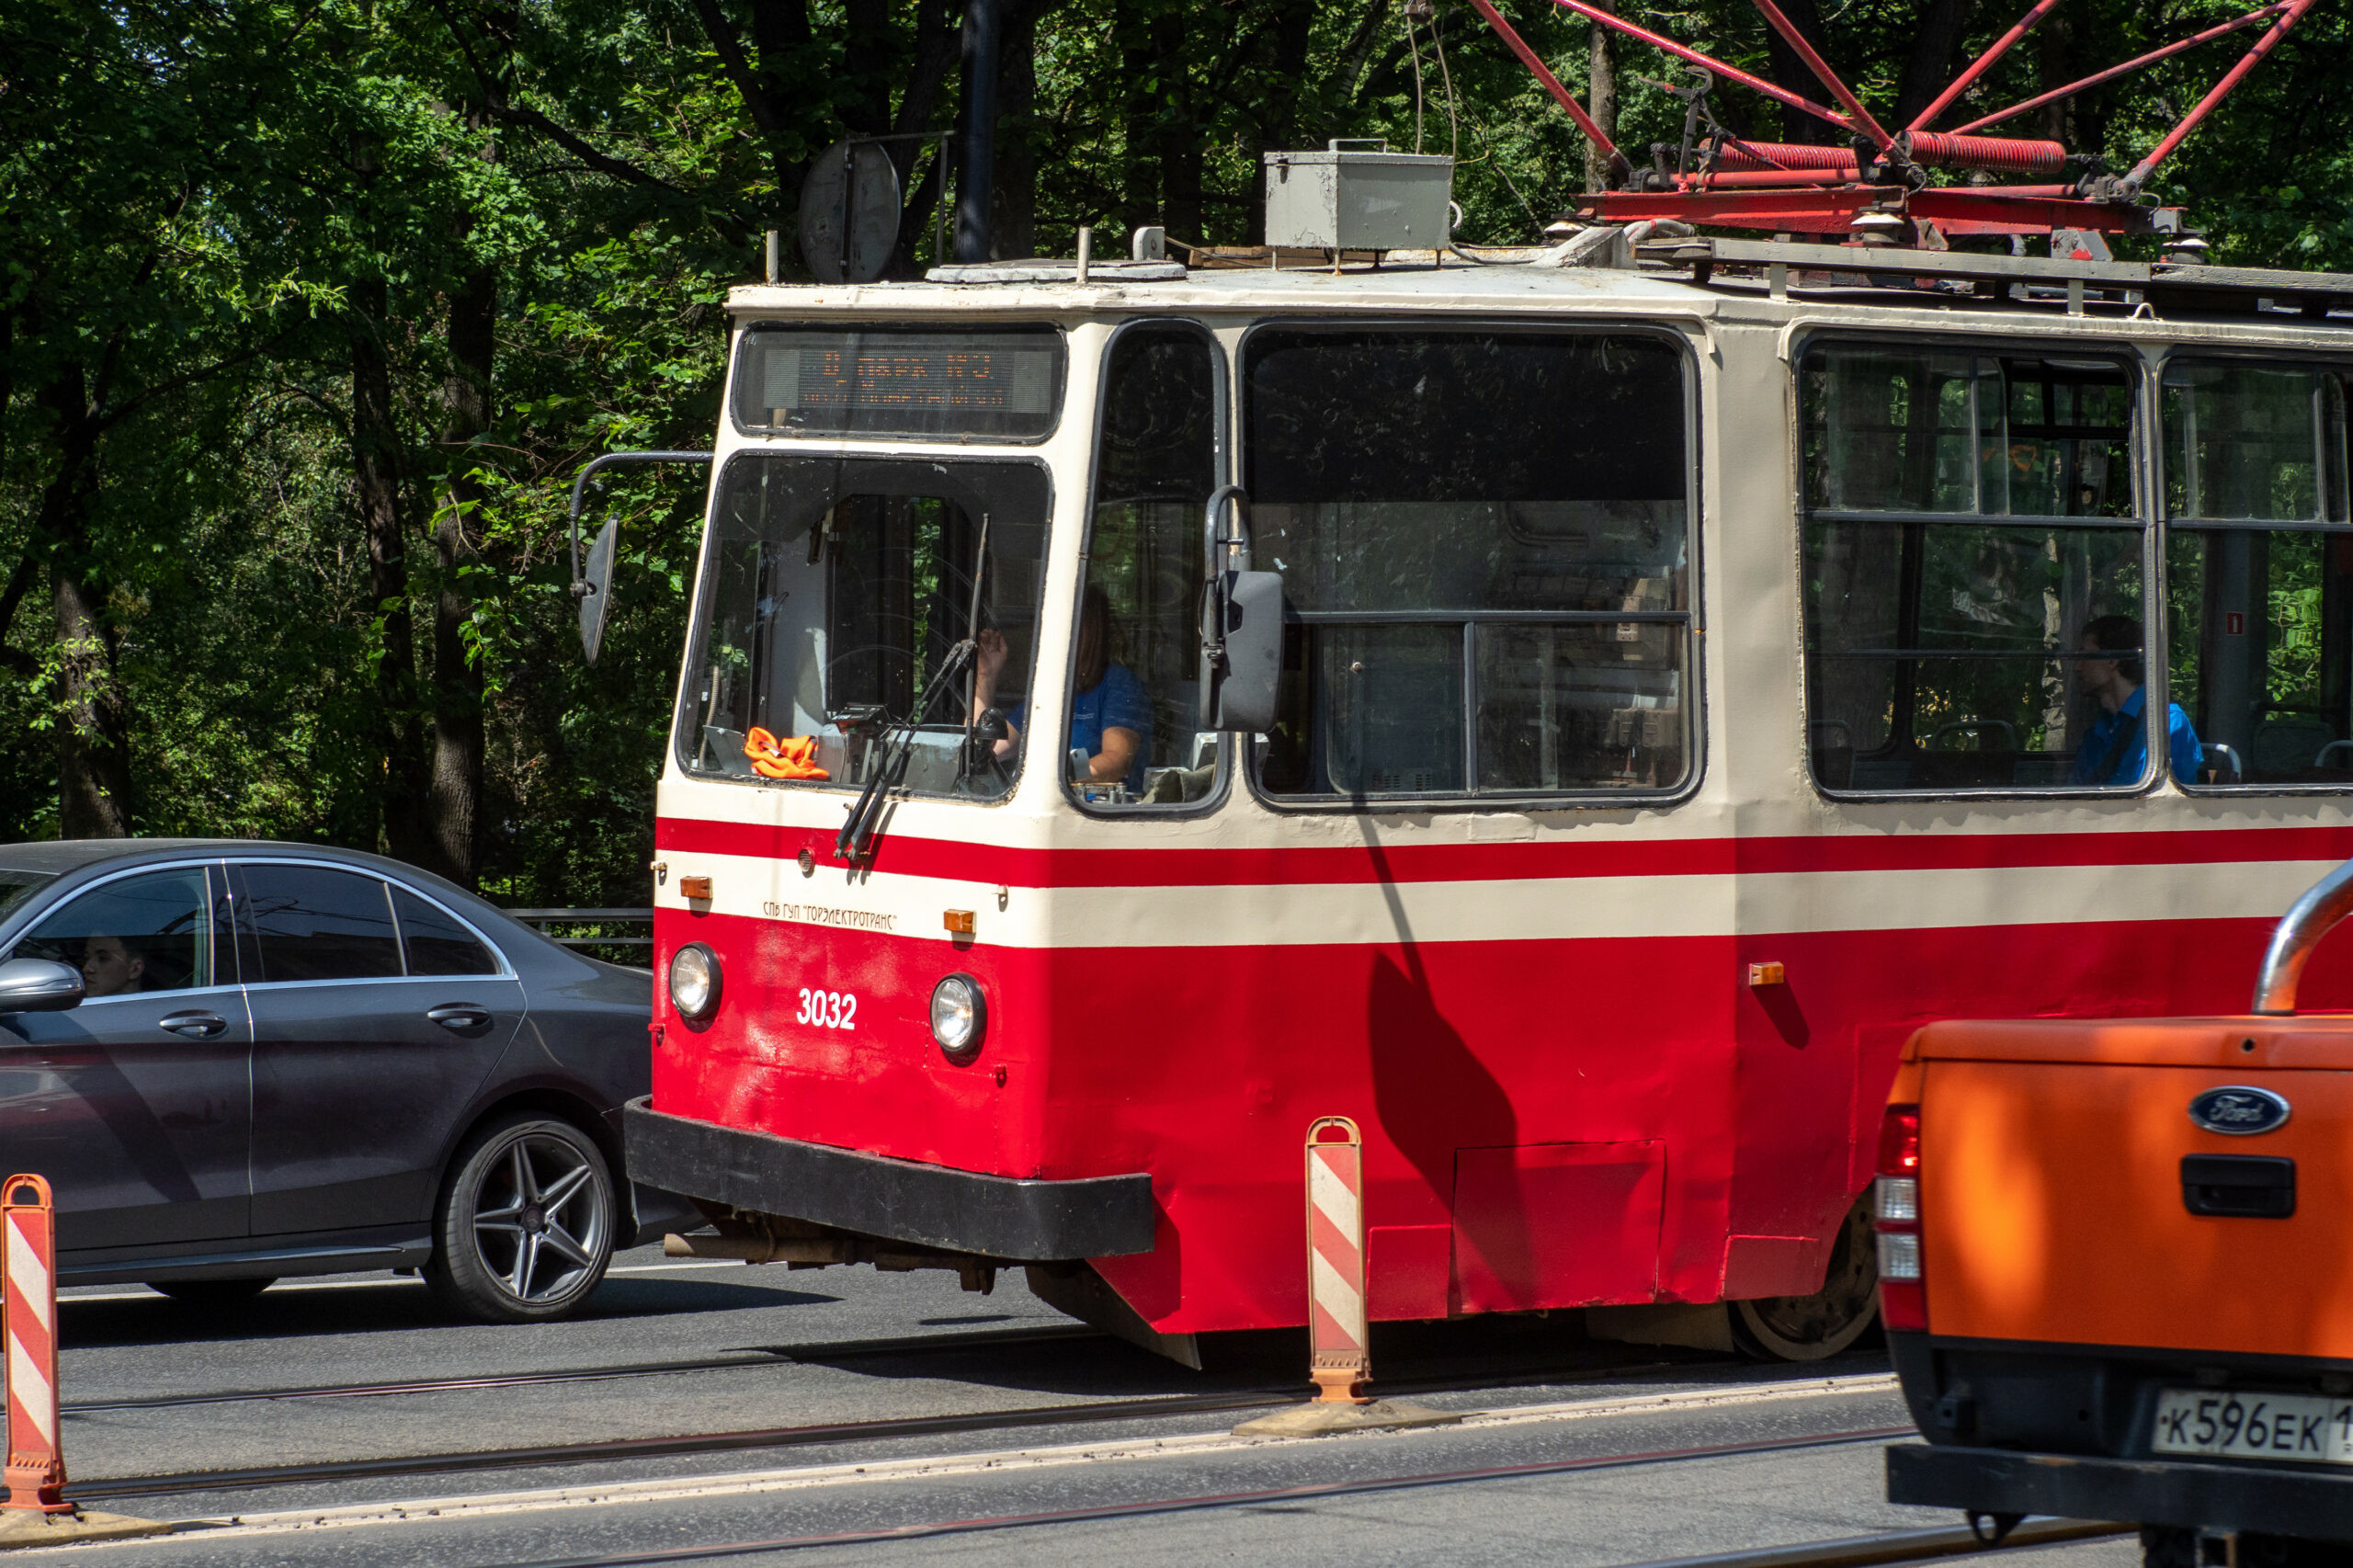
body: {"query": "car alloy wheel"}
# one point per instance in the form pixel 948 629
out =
pixel 526 1227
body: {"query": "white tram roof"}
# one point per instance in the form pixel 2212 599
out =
pixel 1678 276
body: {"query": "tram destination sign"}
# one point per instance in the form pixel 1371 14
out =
pixel 962 382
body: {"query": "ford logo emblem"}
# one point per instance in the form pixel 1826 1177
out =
pixel 2239 1110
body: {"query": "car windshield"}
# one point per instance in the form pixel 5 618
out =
pixel 16 887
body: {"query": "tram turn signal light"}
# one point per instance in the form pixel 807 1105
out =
pixel 957 921
pixel 1895 1220
pixel 694 888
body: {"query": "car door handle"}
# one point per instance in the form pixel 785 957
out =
pixel 461 1015
pixel 194 1026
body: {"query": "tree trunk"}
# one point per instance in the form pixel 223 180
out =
pixel 91 724
pixel 1016 196
pixel 457 767
pixel 1179 138
pixel 1934 62
pixel 1294 35
pixel 1140 139
pixel 375 467
pixel 1601 100
pixel 1789 74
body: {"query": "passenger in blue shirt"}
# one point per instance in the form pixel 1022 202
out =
pixel 1111 718
pixel 2117 746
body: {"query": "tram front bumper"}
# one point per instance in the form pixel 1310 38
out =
pixel 1003 1218
pixel 2193 1495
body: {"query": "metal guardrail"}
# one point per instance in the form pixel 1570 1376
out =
pixel 543 919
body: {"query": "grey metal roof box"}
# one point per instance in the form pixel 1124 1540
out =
pixel 1339 199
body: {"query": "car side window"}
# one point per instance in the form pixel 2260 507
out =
pixel 316 923
pixel 144 933
pixel 437 944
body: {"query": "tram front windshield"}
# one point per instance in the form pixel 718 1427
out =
pixel 832 593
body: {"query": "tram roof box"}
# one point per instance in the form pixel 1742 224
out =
pixel 1346 200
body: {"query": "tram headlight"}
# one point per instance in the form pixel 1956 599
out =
pixel 694 980
pixel 959 1016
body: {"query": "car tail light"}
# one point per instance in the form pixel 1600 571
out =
pixel 1895 1219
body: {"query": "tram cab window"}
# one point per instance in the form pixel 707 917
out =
pixel 833 590
pixel 1970 526
pixel 1485 543
pixel 2259 569
pixel 1131 739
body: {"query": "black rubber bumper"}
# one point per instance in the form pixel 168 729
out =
pixel 999 1217
pixel 2275 1500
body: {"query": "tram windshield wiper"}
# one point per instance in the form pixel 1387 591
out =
pixel 858 833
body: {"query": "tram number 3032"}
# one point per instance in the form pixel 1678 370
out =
pixel 827 1010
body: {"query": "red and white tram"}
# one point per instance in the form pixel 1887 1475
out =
pixel 1686 689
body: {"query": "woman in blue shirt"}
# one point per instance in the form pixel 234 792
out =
pixel 2116 747
pixel 1111 718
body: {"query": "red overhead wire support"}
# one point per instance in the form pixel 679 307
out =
pixel 1730 73
pixel 1561 94
pixel 1827 76
pixel 2141 170
pixel 1979 66
pixel 2055 93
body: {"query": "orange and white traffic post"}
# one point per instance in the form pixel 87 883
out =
pixel 1338 1342
pixel 35 1471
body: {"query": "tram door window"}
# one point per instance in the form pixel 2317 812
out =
pixel 1485 543
pixel 1135 679
pixel 2259 569
pixel 1971 521
pixel 834 589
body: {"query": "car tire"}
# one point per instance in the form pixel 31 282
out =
pixel 1814 1327
pixel 211 1293
pixel 525 1223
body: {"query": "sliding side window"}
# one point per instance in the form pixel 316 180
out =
pixel 1973 567
pixel 2259 570
pixel 1485 539
pixel 1132 738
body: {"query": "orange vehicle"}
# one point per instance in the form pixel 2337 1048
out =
pixel 2115 1272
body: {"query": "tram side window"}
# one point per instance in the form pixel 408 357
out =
pixel 834 589
pixel 1973 571
pixel 1135 679
pixel 1484 539
pixel 2259 569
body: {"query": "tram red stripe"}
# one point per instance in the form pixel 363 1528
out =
pixel 904 855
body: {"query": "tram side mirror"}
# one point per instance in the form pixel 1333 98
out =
pixel 596 589
pixel 1241 622
pixel 39 985
pixel 1239 688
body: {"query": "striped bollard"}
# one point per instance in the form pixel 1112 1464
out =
pixel 35 1471
pixel 1340 1360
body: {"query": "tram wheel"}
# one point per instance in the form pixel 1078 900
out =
pixel 1809 1328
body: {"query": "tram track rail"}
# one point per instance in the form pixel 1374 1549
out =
pixel 814 1352
pixel 607 1450
pixel 1861 1552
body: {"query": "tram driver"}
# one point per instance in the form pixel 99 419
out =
pixel 2117 746
pixel 1111 718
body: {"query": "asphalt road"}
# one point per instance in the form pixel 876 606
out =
pixel 1570 1453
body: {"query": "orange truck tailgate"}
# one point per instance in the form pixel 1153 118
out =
pixel 2051 1184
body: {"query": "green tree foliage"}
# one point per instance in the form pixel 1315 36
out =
pixel 309 311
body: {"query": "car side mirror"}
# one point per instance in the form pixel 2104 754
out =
pixel 39 985
pixel 596 589
pixel 1242 624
